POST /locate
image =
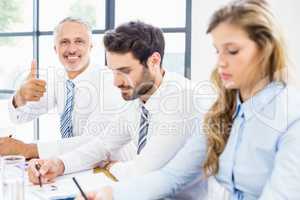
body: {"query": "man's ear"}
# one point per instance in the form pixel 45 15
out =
pixel 154 60
pixel 55 49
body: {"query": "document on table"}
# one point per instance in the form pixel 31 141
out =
pixel 64 187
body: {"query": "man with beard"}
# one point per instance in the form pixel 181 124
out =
pixel 162 115
pixel 75 92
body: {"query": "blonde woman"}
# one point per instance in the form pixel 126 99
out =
pixel 252 131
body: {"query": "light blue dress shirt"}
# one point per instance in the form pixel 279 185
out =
pixel 260 161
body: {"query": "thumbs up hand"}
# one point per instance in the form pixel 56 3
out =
pixel 32 90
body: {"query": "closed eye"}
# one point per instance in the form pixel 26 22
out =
pixel 233 52
pixel 125 71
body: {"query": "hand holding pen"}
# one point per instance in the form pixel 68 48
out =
pixel 44 171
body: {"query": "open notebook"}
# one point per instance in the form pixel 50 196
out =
pixel 64 187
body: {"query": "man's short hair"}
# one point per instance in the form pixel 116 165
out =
pixel 76 20
pixel 139 38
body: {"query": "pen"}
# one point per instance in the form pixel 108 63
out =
pixel 37 167
pixel 81 191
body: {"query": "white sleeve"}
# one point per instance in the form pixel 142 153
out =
pixel 126 153
pixel 29 112
pixel 51 149
pixel 48 150
pixel 96 124
pixel 100 148
pixel 160 148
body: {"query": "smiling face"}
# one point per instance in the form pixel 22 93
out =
pixel 130 76
pixel 237 56
pixel 73 46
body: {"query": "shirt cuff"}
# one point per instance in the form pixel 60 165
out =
pixel 14 113
pixel 67 160
pixel 123 170
pixel 47 150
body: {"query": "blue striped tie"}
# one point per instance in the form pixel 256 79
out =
pixel 143 130
pixel 66 127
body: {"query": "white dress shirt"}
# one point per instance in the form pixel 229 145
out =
pixel 172 118
pixel 94 93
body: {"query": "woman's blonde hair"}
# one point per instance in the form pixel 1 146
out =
pixel 255 18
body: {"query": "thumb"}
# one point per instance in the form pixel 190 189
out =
pixel 33 70
pixel 92 196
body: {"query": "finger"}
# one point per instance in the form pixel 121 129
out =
pixel 40 82
pixel 47 167
pixel 32 87
pixel 32 177
pixel 32 166
pixel 45 179
pixel 38 94
pixel 50 177
pixel 33 70
pixel 38 88
pixel 91 195
pixel 33 98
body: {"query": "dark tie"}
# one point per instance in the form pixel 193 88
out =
pixel 143 130
pixel 66 127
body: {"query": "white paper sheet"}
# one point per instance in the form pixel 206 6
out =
pixel 64 187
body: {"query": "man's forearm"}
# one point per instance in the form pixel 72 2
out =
pixel 31 151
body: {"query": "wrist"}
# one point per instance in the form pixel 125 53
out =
pixel 30 151
pixel 108 166
pixel 18 100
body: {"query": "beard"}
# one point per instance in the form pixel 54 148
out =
pixel 144 86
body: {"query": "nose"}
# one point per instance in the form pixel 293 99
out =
pixel 221 60
pixel 118 80
pixel 72 47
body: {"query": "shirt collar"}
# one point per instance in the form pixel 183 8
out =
pixel 260 100
pixel 238 111
pixel 82 76
pixel 154 100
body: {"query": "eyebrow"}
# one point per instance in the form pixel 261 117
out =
pixel 61 39
pixel 227 44
pixel 230 43
pixel 81 38
pixel 76 38
pixel 123 68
